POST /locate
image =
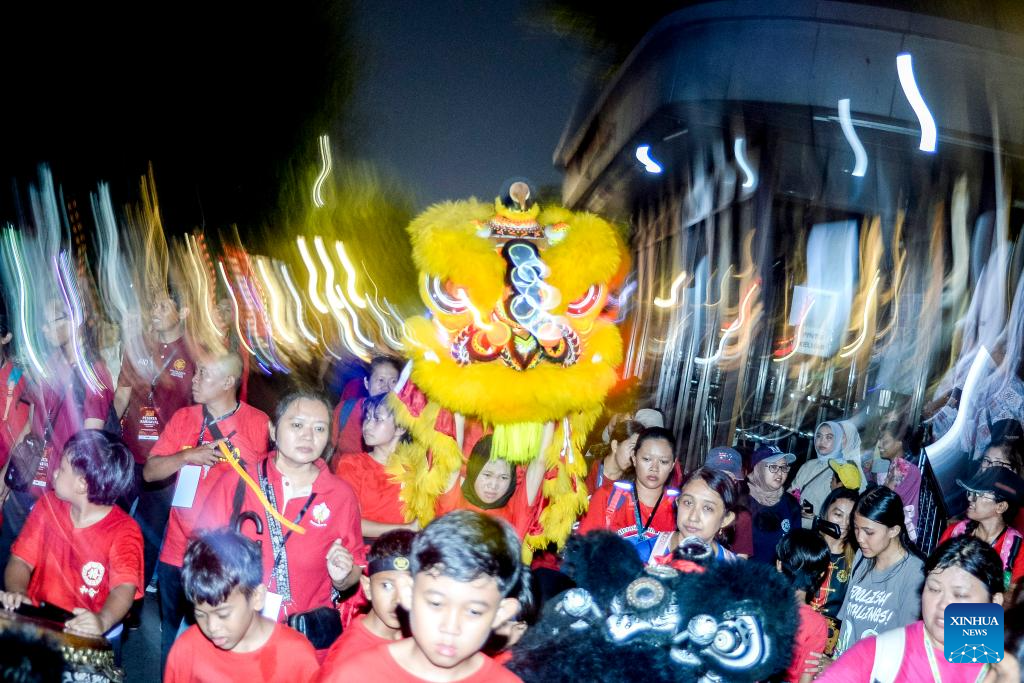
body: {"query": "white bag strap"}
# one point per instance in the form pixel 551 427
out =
pixel 889 649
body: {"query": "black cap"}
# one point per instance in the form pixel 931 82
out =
pixel 999 481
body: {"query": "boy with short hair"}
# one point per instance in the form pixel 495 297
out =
pixel 387 562
pixel 77 550
pixel 231 640
pixel 465 567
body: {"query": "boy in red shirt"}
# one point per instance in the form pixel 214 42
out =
pixel 231 641
pixel 77 550
pixel 188 444
pixel 387 561
pixel 464 567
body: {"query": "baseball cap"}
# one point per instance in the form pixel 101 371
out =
pixel 1000 481
pixel 772 454
pixel 650 417
pixel 725 459
pixel 848 473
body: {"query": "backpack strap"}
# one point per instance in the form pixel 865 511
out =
pixel 620 494
pixel 890 647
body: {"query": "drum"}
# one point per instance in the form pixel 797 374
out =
pixel 86 659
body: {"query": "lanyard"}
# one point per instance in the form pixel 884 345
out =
pixel 640 531
pixel 209 421
pixel 156 376
pixel 936 675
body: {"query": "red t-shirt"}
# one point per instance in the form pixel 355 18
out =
pixel 15 411
pixel 348 438
pixel 246 429
pixel 286 657
pixel 518 512
pixel 56 397
pixel 621 518
pixel 811 636
pixel 333 513
pixel 379 666
pixel 78 567
pixel 355 640
pixel 171 392
pixel 1003 545
pixel 378 494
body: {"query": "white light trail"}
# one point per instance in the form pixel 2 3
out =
pixel 860 166
pixel 905 68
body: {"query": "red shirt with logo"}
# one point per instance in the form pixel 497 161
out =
pixel 15 411
pixel 332 513
pixel 78 567
pixel 377 492
pixel 286 657
pixel 172 368
pixel 380 666
pixel 247 431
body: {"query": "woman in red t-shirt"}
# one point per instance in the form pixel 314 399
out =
pixel 639 507
pixel 495 487
pixel 378 493
pixel 304 570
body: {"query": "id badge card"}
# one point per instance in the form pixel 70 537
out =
pixel 42 477
pixel 149 424
pixel 271 606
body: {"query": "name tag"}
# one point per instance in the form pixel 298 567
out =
pixel 272 606
pixel 149 424
pixel 188 483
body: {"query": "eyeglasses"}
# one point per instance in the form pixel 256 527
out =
pixel 989 462
pixel 775 469
pixel 974 495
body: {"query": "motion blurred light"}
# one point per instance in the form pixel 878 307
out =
pixel 905 68
pixel 861 164
pixel 643 155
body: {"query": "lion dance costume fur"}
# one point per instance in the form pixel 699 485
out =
pixel 520 340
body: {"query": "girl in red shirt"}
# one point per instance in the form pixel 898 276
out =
pixel 639 507
pixel 377 492
pixel 495 487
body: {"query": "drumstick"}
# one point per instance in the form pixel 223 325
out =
pixel 233 461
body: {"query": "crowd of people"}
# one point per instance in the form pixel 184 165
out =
pixel 279 549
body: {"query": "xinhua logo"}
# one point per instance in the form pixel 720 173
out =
pixel 973 633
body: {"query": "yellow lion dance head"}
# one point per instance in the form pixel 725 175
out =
pixel 521 333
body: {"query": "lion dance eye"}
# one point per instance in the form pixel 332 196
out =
pixel 592 297
pixel 440 297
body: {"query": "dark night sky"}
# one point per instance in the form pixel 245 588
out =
pixel 452 98
pixel 456 97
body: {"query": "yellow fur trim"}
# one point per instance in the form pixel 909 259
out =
pixel 422 485
pixel 590 254
pixel 517 442
pixel 445 243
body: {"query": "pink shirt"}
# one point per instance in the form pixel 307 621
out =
pixel 856 663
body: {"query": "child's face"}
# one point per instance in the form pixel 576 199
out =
pixel 381 590
pixel 67 483
pixel 226 624
pixel 451 620
pixel 379 427
pixel 701 511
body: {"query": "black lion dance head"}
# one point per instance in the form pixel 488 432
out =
pixel 707 623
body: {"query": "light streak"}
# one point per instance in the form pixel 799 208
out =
pixel 643 155
pixel 277 312
pixel 325 156
pixel 26 337
pixel 350 276
pixel 201 278
pixel 860 166
pixel 731 329
pixel 799 332
pixel 739 150
pixel 951 439
pixel 854 347
pixel 905 69
pixel 234 307
pixel 314 295
pixel 677 283
pixel 68 284
pixel 298 305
